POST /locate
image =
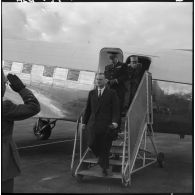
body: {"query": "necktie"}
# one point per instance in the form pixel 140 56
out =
pixel 99 93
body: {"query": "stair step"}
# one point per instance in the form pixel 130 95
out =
pixel 111 161
pixel 97 172
pixel 117 150
pixel 119 146
pixel 121 136
pixel 117 143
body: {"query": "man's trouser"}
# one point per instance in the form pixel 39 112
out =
pixel 101 148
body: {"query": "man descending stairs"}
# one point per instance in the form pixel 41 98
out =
pixel 90 166
pixel 134 149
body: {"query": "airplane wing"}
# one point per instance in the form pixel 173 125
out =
pixel 61 104
pixel 174 65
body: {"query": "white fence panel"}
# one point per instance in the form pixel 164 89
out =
pixel 17 67
pixel 86 77
pixel 59 77
pixel 36 73
pixel 25 78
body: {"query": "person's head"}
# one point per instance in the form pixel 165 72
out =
pixel 134 61
pixel 114 59
pixel 3 83
pixel 100 80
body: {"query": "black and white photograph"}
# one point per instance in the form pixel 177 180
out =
pixel 97 97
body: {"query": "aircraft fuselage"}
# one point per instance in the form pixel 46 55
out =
pixel 172 109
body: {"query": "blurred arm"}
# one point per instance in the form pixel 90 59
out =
pixel 30 107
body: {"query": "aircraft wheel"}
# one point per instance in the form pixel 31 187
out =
pixel 161 159
pixel 42 130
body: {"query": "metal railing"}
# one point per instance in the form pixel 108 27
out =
pixel 138 125
pixel 138 119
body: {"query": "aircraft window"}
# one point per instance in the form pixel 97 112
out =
pixel 48 71
pixel 27 68
pixel 73 75
pixel 7 65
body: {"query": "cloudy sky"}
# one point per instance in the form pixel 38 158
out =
pixel 121 24
pixel 72 34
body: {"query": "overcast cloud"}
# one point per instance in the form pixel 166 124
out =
pixel 140 25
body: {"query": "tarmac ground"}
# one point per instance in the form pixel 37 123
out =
pixel 46 165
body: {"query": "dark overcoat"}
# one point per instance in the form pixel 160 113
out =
pixel 99 114
pixel 135 76
pixel 118 71
pixel 12 112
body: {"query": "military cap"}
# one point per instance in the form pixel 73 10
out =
pixel 113 54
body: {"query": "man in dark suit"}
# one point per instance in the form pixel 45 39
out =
pixel 117 74
pixel 135 73
pixel 100 117
pixel 12 112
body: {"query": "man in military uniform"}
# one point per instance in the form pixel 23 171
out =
pixel 116 73
pixel 134 78
pixel 12 112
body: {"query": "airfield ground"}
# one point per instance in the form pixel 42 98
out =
pixel 46 168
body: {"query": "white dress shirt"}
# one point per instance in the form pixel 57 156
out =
pixel 102 90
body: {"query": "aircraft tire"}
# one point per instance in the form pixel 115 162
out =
pixel 45 133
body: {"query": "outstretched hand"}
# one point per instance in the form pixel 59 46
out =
pixel 15 83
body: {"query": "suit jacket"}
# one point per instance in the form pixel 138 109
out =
pixel 11 113
pixel 99 114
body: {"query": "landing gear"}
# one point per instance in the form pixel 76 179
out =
pixel 42 128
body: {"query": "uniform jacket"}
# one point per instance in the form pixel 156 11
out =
pixel 11 113
pixel 119 72
pixel 99 114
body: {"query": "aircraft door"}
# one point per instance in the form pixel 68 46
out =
pixel 104 57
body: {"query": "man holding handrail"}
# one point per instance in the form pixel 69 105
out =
pixel 100 120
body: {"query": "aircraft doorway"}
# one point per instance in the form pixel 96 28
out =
pixel 136 65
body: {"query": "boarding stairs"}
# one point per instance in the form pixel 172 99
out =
pixel 134 148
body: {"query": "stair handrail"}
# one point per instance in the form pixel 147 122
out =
pixel 79 120
pixel 124 146
pixel 145 76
